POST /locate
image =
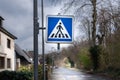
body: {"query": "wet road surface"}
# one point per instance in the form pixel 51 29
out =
pixel 73 74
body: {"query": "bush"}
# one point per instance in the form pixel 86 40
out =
pixel 15 75
pixel 30 69
pixel 95 52
pixel 39 71
pixel 85 58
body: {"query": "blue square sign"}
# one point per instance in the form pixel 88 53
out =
pixel 59 29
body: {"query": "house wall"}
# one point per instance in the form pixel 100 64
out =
pixel 8 53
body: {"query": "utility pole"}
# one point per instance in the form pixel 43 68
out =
pixel 35 40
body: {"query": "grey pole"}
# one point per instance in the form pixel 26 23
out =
pixel 58 47
pixel 43 45
pixel 35 40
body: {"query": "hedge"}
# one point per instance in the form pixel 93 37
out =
pixel 15 75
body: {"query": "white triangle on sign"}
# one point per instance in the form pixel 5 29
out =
pixel 59 31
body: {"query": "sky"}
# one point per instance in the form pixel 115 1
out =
pixel 18 15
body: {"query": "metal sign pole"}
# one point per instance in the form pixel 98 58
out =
pixel 36 31
pixel 58 47
pixel 43 45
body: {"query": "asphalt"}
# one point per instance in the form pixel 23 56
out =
pixel 73 74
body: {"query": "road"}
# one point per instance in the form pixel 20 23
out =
pixel 73 74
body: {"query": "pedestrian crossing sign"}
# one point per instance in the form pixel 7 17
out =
pixel 59 29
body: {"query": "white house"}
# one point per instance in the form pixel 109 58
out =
pixel 7 51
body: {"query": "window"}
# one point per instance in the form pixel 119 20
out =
pixel 0 23
pixel 8 43
pixel 8 63
pixel 2 62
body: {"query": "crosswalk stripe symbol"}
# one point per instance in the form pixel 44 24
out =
pixel 59 31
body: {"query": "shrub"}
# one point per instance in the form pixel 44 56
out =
pixel 95 52
pixel 39 71
pixel 15 75
pixel 85 58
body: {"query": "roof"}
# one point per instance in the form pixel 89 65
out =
pixel 30 54
pixel 7 33
pixel 1 18
pixel 4 30
pixel 20 52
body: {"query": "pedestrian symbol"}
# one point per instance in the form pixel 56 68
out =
pixel 59 29
pixel 59 32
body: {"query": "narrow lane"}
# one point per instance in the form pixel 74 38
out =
pixel 73 74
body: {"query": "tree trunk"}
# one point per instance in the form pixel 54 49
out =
pixel 94 16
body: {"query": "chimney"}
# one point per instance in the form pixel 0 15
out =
pixel 1 21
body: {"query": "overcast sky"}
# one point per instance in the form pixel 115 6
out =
pixel 18 15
